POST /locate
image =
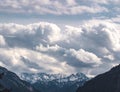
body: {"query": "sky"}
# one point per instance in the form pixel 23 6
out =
pixel 60 36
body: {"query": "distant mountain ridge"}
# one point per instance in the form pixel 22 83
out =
pixel 106 82
pixel 55 82
pixel 10 82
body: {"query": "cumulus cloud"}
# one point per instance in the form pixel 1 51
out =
pixel 45 47
pixel 30 35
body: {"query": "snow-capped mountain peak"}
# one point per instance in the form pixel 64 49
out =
pixel 32 78
pixel 55 82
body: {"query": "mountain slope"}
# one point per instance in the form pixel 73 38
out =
pixel 107 82
pixel 10 82
pixel 55 82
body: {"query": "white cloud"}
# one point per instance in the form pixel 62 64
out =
pixel 87 9
pixel 55 7
pixel 96 33
pixel 85 57
pixel 110 57
pixel 2 41
pixel 32 33
pixel 31 61
pixel 91 47
pixel 45 47
pixel 107 2
pixel 106 33
pixel 48 48
pixel 100 2
pixel 71 2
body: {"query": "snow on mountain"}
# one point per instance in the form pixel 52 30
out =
pixel 32 78
pixel 55 82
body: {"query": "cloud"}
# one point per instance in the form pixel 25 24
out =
pixel 48 48
pixel 24 60
pixel 85 57
pixel 87 9
pixel 71 2
pixel 106 2
pixel 2 41
pixel 75 58
pixel 30 35
pixel 96 33
pixel 45 47
pixel 55 7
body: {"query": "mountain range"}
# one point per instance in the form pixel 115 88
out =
pixel 43 82
pixel 55 82
pixel 40 82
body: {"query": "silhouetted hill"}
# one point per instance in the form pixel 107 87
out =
pixel 106 82
pixel 10 82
